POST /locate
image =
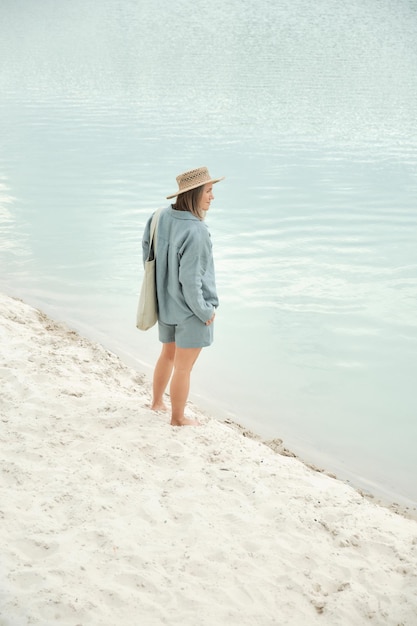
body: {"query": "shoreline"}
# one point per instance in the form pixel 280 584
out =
pixel 391 498
pixel 109 515
pixel 278 446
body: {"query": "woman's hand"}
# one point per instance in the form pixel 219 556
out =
pixel 210 321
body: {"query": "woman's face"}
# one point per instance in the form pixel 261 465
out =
pixel 206 197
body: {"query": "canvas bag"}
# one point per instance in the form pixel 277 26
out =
pixel 147 313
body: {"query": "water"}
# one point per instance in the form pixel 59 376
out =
pixel 310 113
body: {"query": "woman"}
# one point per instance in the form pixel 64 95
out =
pixel 186 288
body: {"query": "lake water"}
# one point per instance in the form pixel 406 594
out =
pixel 310 111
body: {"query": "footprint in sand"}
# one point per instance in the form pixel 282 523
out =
pixel 35 550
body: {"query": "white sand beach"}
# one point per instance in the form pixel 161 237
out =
pixel 109 516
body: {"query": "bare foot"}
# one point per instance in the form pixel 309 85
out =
pixel 184 422
pixel 158 406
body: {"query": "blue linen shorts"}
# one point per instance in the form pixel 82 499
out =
pixel 190 333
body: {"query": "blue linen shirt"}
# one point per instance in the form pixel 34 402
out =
pixel 185 279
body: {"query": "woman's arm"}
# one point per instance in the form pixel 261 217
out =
pixel 196 275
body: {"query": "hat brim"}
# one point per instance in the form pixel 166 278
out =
pixel 180 191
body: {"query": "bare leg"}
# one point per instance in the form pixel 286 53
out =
pixel 161 376
pixel 180 384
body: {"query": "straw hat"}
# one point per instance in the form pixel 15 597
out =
pixel 193 179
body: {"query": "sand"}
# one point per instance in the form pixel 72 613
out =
pixel 109 516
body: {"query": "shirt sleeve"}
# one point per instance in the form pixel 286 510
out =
pixel 195 257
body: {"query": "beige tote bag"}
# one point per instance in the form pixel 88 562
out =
pixel 147 313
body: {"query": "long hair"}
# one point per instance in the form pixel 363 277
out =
pixel 190 201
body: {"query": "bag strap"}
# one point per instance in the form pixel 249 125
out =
pixel 153 233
